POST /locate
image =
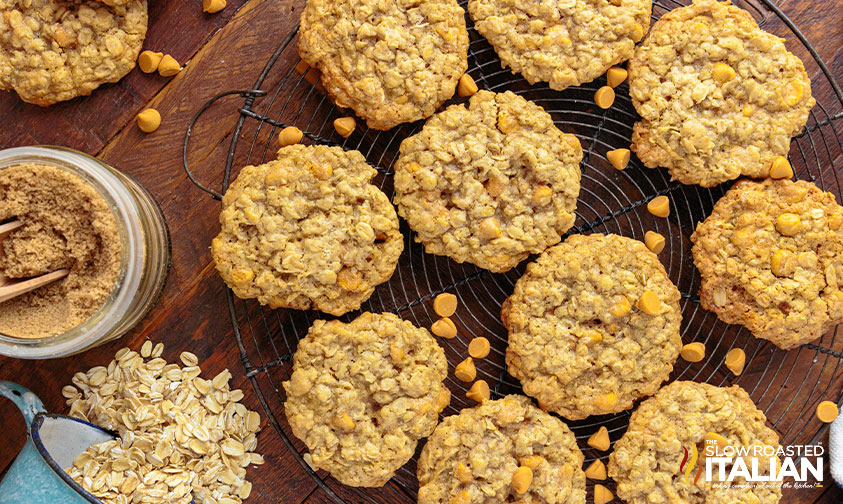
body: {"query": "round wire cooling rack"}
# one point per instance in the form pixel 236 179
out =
pixel 785 385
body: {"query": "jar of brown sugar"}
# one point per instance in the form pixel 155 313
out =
pixel 82 215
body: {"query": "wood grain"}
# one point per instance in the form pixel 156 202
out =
pixel 228 51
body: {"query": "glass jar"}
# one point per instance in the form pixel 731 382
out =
pixel 144 259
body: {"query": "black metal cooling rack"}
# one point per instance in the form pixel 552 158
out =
pixel 783 384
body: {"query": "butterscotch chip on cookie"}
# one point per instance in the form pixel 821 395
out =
pixel 471 457
pixel 668 428
pixel 564 43
pixel 580 340
pixel 718 96
pixel 362 394
pixel 307 230
pixel 771 259
pixel 489 184
pixel 55 50
pixel 392 62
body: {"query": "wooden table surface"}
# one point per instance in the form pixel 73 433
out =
pixel 227 51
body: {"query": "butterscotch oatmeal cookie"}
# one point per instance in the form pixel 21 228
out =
pixel 646 461
pixel 578 342
pixel 392 62
pixel 55 50
pixel 564 43
pixel 471 457
pixel 771 259
pixel 489 184
pixel 718 96
pixel 362 394
pixel 307 230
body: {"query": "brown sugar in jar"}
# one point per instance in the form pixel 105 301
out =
pixel 67 224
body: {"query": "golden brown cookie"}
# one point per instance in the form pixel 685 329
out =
pixel 489 184
pixel 771 259
pixel 307 230
pixel 718 96
pixel 579 342
pixel 470 458
pixel 362 394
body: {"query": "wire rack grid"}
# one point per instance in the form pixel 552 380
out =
pixel 786 385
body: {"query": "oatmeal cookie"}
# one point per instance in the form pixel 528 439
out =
pixel 489 184
pixel 646 461
pixel 55 50
pixel 563 43
pixel 307 230
pixel 577 340
pixel 392 62
pixel 362 394
pixel 718 96
pixel 771 259
pixel 470 458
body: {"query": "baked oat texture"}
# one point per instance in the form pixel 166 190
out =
pixel 362 394
pixel 781 283
pixel 489 184
pixel 307 230
pixel 645 461
pixel 564 43
pixel 577 341
pixel 702 131
pixel 392 62
pixel 493 439
pixel 55 50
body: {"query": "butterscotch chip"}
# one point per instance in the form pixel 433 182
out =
pixel 307 230
pixel 771 259
pixel 168 66
pixel 345 126
pixel 148 61
pixel 392 62
pixel 600 439
pixel 645 462
pixel 359 411
pixel 610 354
pixel 827 411
pixel 735 361
pixel 465 370
pixel 602 495
pixel 693 80
pixel 619 158
pixel 479 391
pixel 659 206
pixel 490 442
pixel 561 43
pixel 489 184
pixel 445 304
pixel 466 86
pixel 479 347
pixel 444 328
pixel 615 76
pixel 596 470
pixel 693 352
pixel 654 241
pixel 54 50
pixel 604 97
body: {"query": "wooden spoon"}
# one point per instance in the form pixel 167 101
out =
pixel 10 289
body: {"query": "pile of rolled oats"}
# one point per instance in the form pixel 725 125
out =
pixel 182 437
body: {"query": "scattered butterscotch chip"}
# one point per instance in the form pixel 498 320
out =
pixel 693 352
pixel 465 370
pixel 827 411
pixel 522 478
pixel 532 461
pixel 654 241
pixel 149 120
pixel 463 473
pixel 343 421
pixel 444 328
pixel 466 86
pixel 714 443
pixel 600 439
pixel 649 303
pixel 596 471
pixel 735 361
pixel 478 347
pixel 213 6
pixel 462 497
pixel 168 66
pixel 345 126
pixel 602 495
pixel 638 33
pixel 289 136
pixel 148 61
pixel 615 76
pixel 788 224
pixel 604 97
pixel 781 169
pixel 722 73
pixel 659 206
pixel 619 158
pixel 445 304
pixel 479 391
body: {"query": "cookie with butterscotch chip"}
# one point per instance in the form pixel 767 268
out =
pixel 771 259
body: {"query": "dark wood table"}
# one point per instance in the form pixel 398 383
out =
pixel 228 51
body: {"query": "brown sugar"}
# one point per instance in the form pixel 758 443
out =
pixel 67 224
